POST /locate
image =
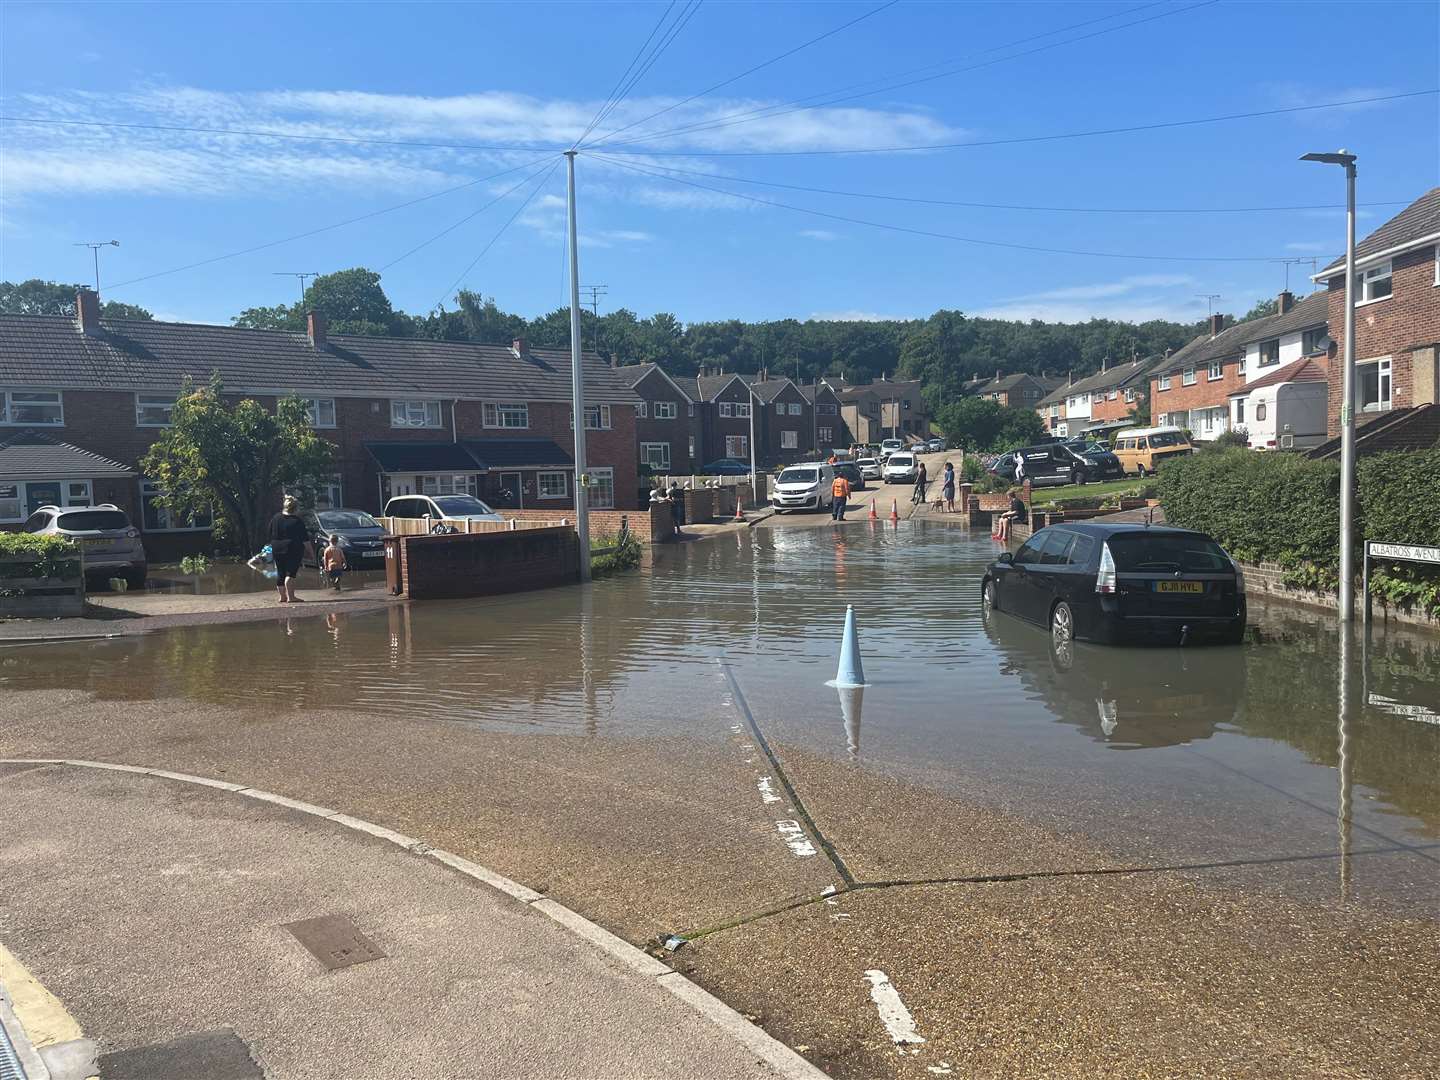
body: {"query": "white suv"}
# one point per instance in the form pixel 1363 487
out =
pixel 440 508
pixel 900 468
pixel 109 544
pixel 803 487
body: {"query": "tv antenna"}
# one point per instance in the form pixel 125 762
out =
pixel 302 277
pixel 1209 298
pixel 95 250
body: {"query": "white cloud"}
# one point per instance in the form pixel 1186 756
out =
pixel 854 315
pixel 1309 247
pixel 1136 298
pixel 818 234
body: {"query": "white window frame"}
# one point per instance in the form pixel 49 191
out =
pixel 827 408
pixel 150 490
pixel 601 413
pixel 425 404
pixel 727 408
pixel 642 411
pixel 1216 371
pixel 152 401
pixel 692 448
pixel 1315 336
pixel 797 409
pixel 742 410
pixel 690 409
pixel 1239 411
pixel 551 476
pixel 789 440
pixel 1164 382
pixel 666 410
pixel 1129 393
pixel 314 407
pixel 7 407
pixel 1187 376
pixel 593 496
pixel 1385 375
pixel 648 455
pixel 67 500
pixel 826 434
pixel 1367 279
pixel 1274 357
pixel 503 414
pixel 780 408
pixel 740 441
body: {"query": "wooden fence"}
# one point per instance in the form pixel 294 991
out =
pixel 397 526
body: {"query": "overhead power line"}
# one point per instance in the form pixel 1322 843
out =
pixel 1007 206
pixel 943 235
pixel 812 101
pixel 1027 138
pixel 748 71
pixel 324 228
pixel 600 112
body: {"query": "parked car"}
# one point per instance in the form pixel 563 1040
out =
pixel 852 472
pixel 360 536
pixel 109 544
pixel 1093 462
pixel 869 467
pixel 935 446
pixel 888 447
pixel 726 466
pixel 899 468
pixel 439 507
pixel 1043 466
pixel 803 487
pixel 1112 583
pixel 1141 450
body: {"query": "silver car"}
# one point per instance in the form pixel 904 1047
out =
pixel 109 544
pixel 869 467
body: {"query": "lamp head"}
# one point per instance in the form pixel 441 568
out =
pixel 1340 157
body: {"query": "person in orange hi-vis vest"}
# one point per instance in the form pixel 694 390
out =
pixel 839 496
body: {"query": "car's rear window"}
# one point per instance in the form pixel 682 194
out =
pixel 92 520
pixel 1167 553
pixel 798 476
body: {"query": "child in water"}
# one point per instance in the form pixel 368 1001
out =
pixel 333 562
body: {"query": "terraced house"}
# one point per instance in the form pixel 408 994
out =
pixel 1099 404
pixel 85 398
pixel 667 424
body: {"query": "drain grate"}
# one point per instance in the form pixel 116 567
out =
pixel 10 1068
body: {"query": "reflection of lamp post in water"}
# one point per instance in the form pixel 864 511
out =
pixel 1345 760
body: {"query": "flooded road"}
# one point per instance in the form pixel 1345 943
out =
pixel 596 741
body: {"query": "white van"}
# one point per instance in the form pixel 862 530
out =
pixel 803 487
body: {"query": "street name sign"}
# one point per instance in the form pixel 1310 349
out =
pixel 1408 552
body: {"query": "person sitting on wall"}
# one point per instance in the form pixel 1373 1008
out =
pixel 1016 513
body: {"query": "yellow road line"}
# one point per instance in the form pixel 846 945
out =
pixel 45 1020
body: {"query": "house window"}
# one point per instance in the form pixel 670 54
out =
pixel 37 408
pixel 505 414
pixel 1239 410
pixel 690 409
pixel 415 413
pixel 641 413
pixel 1311 339
pixel 727 408
pixel 1375 283
pixel 19 500
pixel 665 410
pixel 12 502
pixel 692 448
pixel 742 410
pixel 1373 385
pixel 454 484
pixel 1217 371
pixel 789 440
pixel 1187 377
pixel 656 455
pixel 826 434
pixel 151 411
pixel 827 409
pixel 553 485
pixel 329 496
pixel 597 418
pixel 321 410
pixel 1130 393
pixel 796 408
pixel 779 408
pixel 156 518
pixel 1164 382
pixel 602 488
pixel 1269 352
pixel 1112 395
pixel 737 446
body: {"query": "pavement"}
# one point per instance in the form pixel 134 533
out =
pixel 111 878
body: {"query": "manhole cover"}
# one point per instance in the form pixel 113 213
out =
pixel 334 940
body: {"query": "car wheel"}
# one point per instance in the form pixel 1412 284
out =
pixel 1139 470
pixel 989 601
pixel 135 579
pixel 1062 622
pixel 1080 476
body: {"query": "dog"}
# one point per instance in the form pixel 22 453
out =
pixel 937 503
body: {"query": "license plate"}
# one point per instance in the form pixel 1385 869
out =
pixel 95 541
pixel 374 554
pixel 1180 586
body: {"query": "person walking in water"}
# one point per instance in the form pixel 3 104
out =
pixel 288 541
pixel 839 496
pixel 947 488
pixel 922 481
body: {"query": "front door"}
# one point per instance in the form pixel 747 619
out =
pixel 512 491
pixel 38 494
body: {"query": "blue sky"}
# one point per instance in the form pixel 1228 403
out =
pixel 533 75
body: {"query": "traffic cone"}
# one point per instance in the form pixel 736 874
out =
pixel 895 511
pixel 738 515
pixel 850 672
pixel 873 516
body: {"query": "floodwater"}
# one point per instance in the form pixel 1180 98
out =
pixel 1294 750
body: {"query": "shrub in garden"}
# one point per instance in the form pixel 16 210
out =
pixel 53 556
pixel 1399 496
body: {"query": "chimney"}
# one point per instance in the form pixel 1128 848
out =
pixel 1284 302
pixel 87 311
pixel 315 328
pixel 997 374
pixel 1070 377
pixel 1217 323
pixel 520 347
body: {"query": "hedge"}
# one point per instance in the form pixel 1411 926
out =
pixel 1285 509
pixel 54 556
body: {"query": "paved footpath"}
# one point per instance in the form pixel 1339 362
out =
pixel 161 915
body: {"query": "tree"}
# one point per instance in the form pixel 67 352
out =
pixel 37 297
pixel 352 302
pixel 982 424
pixel 1261 309
pixel 234 459
pixel 485 322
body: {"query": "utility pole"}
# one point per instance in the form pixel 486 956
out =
pixel 95 250
pixel 302 277
pixel 596 291
pixel 1347 404
pixel 577 380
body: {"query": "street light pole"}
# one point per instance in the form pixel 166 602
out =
pixel 577 381
pixel 1347 403
pixel 754 471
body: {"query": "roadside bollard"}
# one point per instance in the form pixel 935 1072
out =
pixel 850 672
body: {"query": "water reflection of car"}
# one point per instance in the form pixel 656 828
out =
pixel 360 536
pixel 1121 582
pixel 440 507
pixel 110 544
pixel 1126 699
pixel 728 466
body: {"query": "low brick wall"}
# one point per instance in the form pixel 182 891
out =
pixel 483 564
pixel 1268 579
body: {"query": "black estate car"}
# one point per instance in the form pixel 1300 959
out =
pixel 1121 582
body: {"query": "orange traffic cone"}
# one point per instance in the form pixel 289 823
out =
pixel 873 515
pixel 738 515
pixel 895 510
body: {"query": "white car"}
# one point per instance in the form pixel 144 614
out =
pixel 803 487
pixel 869 467
pixel 440 507
pixel 890 446
pixel 900 468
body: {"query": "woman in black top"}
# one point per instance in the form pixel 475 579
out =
pixel 287 543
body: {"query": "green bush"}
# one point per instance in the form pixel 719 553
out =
pixel 55 556
pixel 1285 509
pixel 625 557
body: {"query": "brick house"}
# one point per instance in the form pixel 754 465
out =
pixel 1020 391
pixel 667 425
pixel 1281 402
pixel 1191 387
pixel 405 414
pixel 1397 315
pixel 1097 404
pixel 1051 409
pixel 889 408
pixel 785 425
pixel 830 429
pixel 724 406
